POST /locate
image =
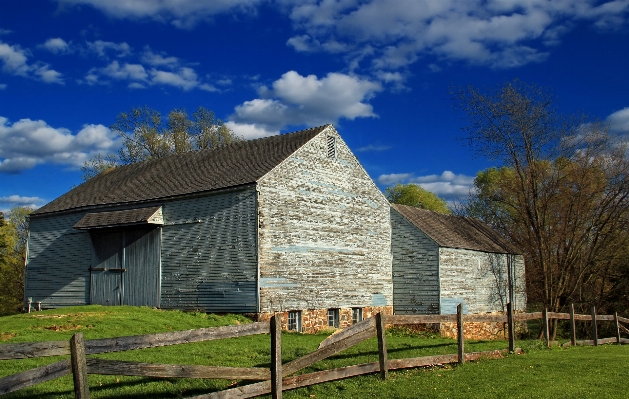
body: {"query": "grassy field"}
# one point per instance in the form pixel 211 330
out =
pixel 540 373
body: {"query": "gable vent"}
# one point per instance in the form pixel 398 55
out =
pixel 331 147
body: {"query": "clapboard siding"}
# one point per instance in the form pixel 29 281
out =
pixel 325 234
pixel 415 268
pixel 58 261
pixel 209 259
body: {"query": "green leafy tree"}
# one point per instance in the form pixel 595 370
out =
pixel 13 239
pixel 561 193
pixel 146 135
pixel 414 195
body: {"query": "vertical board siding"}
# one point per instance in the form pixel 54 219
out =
pixel 58 261
pixel 209 259
pixel 105 286
pixel 520 284
pixel 325 233
pixel 140 281
pixel 415 268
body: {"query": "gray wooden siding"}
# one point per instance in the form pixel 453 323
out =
pixel 209 259
pixel 325 233
pixel 141 280
pixel 58 261
pixel 415 268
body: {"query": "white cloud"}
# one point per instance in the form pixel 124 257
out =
pixel 184 78
pixel 3 86
pixel 373 148
pixel 102 48
pixel 27 143
pixel 619 121
pixel 180 13
pixel 159 60
pixel 308 100
pixel 250 131
pixel 15 62
pixel 447 185
pixel 57 46
pixel 17 200
pixel 496 33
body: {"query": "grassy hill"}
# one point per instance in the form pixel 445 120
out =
pixel 540 373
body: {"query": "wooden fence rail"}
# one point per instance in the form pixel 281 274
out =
pixel 279 377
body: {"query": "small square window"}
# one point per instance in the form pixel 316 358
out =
pixel 333 318
pixel 357 315
pixel 294 320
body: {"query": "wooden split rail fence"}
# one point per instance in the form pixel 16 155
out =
pixel 278 377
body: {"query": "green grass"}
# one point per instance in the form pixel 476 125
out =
pixel 540 373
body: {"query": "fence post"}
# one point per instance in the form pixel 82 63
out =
pixel 459 332
pixel 573 327
pixel 617 327
pixel 511 325
pixel 594 330
pixel 276 357
pixel 79 367
pixel 382 347
pixel 545 326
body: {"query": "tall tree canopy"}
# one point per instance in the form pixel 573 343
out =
pixel 146 135
pixel 561 193
pixel 414 195
pixel 13 238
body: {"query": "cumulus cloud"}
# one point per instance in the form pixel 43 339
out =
pixel 250 131
pixel 447 185
pixel 27 143
pixel 308 100
pixel 16 200
pixel 180 13
pixel 103 49
pixel 619 121
pixel 496 33
pixel 15 62
pixel 57 46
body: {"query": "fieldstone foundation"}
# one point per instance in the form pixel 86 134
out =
pixel 315 320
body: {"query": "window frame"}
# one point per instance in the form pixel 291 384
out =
pixel 334 317
pixel 357 315
pixel 296 315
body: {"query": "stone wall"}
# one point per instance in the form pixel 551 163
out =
pixel 315 320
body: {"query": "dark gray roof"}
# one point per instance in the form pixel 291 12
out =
pixel 120 218
pixel 194 172
pixel 456 231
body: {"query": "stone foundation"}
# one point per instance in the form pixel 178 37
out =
pixel 475 330
pixel 315 320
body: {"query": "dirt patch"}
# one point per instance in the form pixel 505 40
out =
pixel 66 327
pixel 61 316
pixel 6 336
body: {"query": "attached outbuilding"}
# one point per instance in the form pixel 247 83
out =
pixel 442 260
pixel 289 223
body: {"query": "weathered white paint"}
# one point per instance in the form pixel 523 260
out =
pixel 478 280
pixel 324 232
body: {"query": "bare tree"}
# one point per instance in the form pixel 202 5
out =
pixel 561 194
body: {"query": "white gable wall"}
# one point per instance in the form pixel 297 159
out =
pixel 324 233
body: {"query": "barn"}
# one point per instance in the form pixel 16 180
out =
pixel 442 260
pixel 289 223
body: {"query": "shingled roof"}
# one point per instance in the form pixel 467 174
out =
pixel 194 172
pixel 456 231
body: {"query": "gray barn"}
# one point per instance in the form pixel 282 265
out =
pixel 442 260
pixel 287 223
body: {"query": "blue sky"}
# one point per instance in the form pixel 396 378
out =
pixel 378 70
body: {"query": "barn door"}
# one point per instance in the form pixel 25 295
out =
pixel 141 259
pixel 106 271
pixel 126 267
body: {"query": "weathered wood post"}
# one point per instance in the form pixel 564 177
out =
pixel 276 357
pixel 594 329
pixel 459 332
pixel 511 326
pixel 382 347
pixel 573 327
pixel 545 327
pixel 79 367
pixel 617 327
